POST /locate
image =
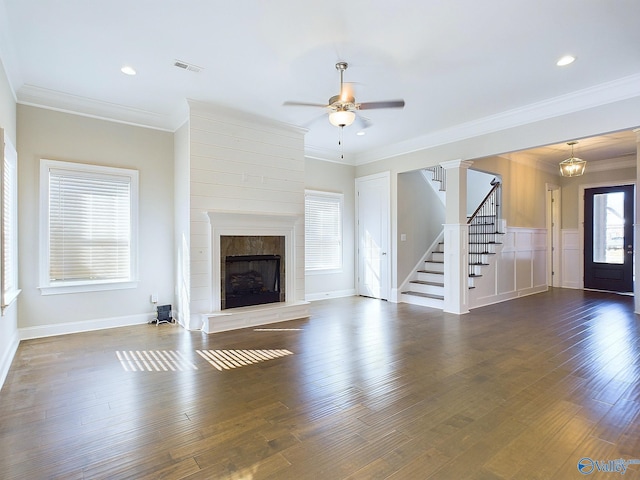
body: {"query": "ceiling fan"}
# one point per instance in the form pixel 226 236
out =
pixel 342 107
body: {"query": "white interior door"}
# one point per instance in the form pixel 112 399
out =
pixel 373 235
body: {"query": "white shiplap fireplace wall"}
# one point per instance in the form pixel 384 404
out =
pixel 246 178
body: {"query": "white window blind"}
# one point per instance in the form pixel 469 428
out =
pixel 323 231
pixel 9 226
pixel 90 224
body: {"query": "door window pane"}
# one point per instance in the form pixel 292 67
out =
pixel 608 228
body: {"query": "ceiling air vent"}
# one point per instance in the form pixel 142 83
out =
pixel 187 66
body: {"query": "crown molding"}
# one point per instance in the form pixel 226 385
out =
pixel 87 107
pixel 602 94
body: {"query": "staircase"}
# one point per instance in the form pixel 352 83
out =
pixel 426 287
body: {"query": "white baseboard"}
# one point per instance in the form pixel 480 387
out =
pixel 5 362
pixel 312 297
pixel 492 300
pixel 86 326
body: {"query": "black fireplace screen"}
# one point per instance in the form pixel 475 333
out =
pixel 251 280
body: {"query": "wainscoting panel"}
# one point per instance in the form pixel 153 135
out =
pixel 519 268
pixel 571 260
pixel 505 267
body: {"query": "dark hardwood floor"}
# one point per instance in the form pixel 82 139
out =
pixel 363 389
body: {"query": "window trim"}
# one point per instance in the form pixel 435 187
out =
pixel 339 197
pixel 9 293
pixel 46 288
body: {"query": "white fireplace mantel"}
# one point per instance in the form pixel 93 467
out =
pixel 289 226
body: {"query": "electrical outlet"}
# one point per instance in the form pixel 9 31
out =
pixel 154 298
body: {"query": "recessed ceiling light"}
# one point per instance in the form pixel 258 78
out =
pixel 566 60
pixel 361 133
pixel 127 70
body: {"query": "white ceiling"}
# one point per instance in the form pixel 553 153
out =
pixel 455 63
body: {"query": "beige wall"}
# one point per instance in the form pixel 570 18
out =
pixel 60 136
pixel 523 190
pixel 336 178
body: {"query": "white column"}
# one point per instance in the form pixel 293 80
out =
pixel 456 238
pixel 636 229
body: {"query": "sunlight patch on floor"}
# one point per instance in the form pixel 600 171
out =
pixel 228 359
pixel 153 361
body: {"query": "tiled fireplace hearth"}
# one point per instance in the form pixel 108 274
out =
pixel 257 275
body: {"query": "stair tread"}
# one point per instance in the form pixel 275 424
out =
pixel 423 282
pixel 424 295
pixel 430 271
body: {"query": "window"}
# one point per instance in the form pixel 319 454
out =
pixel 89 227
pixel 323 232
pixel 9 224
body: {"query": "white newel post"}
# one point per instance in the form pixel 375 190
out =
pixel 456 234
pixel 636 229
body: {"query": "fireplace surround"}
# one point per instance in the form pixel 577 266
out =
pixel 257 234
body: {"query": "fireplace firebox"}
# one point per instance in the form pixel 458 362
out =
pixel 251 280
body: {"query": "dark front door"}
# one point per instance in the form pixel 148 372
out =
pixel 608 238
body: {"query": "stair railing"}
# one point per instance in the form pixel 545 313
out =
pixel 439 175
pixel 484 225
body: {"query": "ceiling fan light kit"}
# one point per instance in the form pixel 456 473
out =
pixel 342 118
pixel 572 166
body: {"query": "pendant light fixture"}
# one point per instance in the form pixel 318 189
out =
pixel 572 166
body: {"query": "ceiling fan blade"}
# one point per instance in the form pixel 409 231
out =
pixel 304 104
pixel 363 122
pixel 383 104
pixel 314 120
